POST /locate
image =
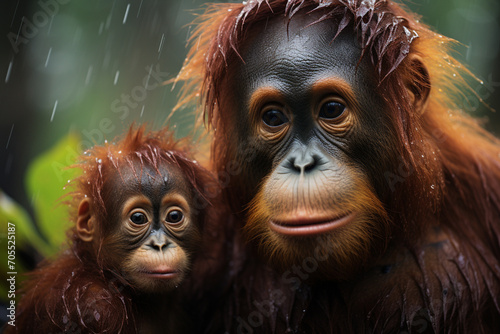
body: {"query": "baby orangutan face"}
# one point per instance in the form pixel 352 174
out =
pixel 148 233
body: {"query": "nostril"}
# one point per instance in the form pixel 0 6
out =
pixel 158 246
pixel 303 164
pixel 310 165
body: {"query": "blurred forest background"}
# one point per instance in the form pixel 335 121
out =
pixel 69 66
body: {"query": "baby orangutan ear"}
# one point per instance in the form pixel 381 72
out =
pixel 418 83
pixel 85 225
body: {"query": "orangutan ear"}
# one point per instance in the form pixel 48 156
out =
pixel 85 224
pixel 418 83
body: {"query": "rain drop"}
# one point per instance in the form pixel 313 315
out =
pixel 139 10
pixel 89 73
pixel 10 135
pixel 8 71
pixel 161 45
pixel 54 110
pixel 126 14
pixel 48 57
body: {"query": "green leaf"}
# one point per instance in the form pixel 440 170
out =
pixel 13 215
pixel 17 231
pixel 46 181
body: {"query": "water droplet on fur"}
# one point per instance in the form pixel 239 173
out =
pixel 433 186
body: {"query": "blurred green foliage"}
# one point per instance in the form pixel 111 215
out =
pixel 46 181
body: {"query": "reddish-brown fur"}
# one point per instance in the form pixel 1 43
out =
pixel 443 195
pixel 79 292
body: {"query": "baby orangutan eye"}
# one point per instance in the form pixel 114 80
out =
pixel 174 217
pixel 138 218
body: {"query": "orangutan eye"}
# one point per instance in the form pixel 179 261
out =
pixel 174 216
pixel 331 110
pixel 138 218
pixel 274 118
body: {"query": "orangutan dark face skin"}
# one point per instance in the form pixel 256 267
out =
pixel 318 126
pixel 151 228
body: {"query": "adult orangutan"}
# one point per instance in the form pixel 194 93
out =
pixel 140 213
pixel 369 200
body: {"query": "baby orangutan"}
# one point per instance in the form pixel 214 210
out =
pixel 140 210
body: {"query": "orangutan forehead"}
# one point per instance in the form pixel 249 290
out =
pixel 139 178
pixel 299 50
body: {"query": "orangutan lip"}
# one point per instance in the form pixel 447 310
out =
pixel 162 274
pixel 307 226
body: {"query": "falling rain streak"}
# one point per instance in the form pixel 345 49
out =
pixel 15 12
pixel 116 77
pixel 126 14
pixel 10 135
pixel 7 76
pixel 89 74
pixel 161 45
pixel 48 57
pixel 139 10
pixel 54 110
pixel 50 25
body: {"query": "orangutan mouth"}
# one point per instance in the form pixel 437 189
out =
pixel 304 226
pixel 160 273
